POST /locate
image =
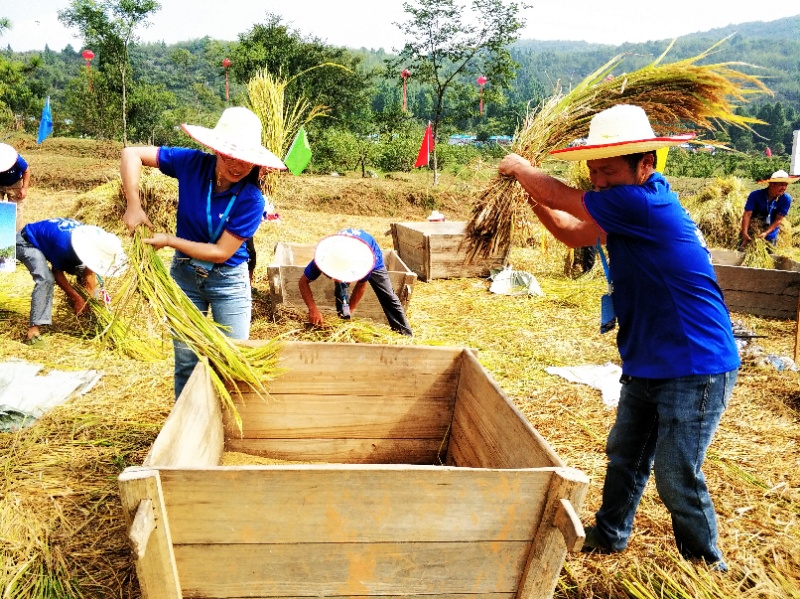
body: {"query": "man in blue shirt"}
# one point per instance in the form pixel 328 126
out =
pixel 679 357
pixel 352 255
pixel 14 179
pixel 766 208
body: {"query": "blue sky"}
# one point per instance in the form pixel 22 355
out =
pixel 370 23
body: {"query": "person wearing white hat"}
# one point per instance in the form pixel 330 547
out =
pixel 15 176
pixel 675 338
pixel 766 208
pixel 70 247
pixel 220 206
pixel 352 256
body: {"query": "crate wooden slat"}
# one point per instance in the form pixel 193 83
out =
pixel 436 250
pixel 290 261
pixel 434 484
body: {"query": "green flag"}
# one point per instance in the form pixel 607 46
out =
pixel 299 154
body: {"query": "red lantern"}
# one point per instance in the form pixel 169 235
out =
pixel 481 82
pixel 405 74
pixel 88 55
pixel 226 63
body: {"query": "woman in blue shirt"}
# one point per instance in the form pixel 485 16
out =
pixel 219 207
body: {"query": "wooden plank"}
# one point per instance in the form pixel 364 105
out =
pixel 344 451
pixel 156 569
pixel 761 304
pixel 546 558
pixel 488 430
pixel 193 433
pixel 324 570
pixel 758 280
pixel 332 416
pixel 301 504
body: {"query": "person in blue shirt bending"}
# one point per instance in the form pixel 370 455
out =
pixel 766 208
pixel 675 339
pixel 352 255
pixel 220 206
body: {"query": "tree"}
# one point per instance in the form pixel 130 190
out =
pixel 445 49
pixel 108 26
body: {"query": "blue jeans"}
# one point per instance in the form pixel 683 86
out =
pixel 43 281
pixel 226 291
pixel 665 425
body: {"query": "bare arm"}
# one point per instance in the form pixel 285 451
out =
pixel 26 179
pixel 775 224
pixel 559 207
pixel 314 316
pixel 130 169
pixel 746 227
pixel 358 292
pixel 78 303
pixel 217 252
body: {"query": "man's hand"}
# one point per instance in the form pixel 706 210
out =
pixel 314 316
pixel 79 305
pixel 134 217
pixel 510 163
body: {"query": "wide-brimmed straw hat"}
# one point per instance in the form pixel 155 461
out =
pixel 344 257
pixel 238 135
pixel 781 177
pixel 8 156
pixel 99 250
pixel 617 131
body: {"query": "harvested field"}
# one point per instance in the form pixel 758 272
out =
pixel 62 532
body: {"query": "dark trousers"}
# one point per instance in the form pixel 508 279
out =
pixel 392 308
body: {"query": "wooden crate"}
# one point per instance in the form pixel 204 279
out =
pixel 765 292
pixel 433 483
pixel 435 250
pixel 291 260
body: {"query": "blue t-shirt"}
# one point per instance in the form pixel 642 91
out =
pixel 53 238
pixel 312 271
pixel 14 174
pixel 194 171
pixel 763 208
pixel 672 317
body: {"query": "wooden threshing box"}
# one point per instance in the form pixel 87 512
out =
pixel 291 260
pixel 765 292
pixel 435 250
pixel 427 482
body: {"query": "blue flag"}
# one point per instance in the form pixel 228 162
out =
pixel 46 124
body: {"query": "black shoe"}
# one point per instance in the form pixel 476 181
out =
pixel 594 543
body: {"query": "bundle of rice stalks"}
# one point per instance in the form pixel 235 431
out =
pixel 717 210
pixel 673 95
pixel 280 119
pixel 758 254
pixel 105 205
pixel 230 364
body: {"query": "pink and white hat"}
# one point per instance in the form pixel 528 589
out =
pixel 781 177
pixel 237 134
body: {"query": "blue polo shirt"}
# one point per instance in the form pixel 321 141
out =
pixel 762 207
pixel 672 317
pixel 312 271
pixel 53 238
pixel 14 174
pixel 194 171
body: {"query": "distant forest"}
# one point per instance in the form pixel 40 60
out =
pixel 185 82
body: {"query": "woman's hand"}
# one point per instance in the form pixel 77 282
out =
pixel 158 241
pixel 135 216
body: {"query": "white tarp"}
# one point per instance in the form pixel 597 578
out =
pixel 25 396
pixel 604 377
pixel 508 281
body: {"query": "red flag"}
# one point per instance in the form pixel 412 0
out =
pixel 768 152
pixel 424 156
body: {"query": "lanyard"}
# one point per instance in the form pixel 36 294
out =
pixel 605 264
pixel 215 234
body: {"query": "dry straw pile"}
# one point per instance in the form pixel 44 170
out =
pixel 672 94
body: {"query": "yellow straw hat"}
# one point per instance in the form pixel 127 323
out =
pixel 237 134
pixel 344 258
pixel 617 131
pixel 781 177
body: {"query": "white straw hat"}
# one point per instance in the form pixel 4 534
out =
pixel 344 258
pixel 617 131
pixel 238 135
pixel 8 156
pixel 99 250
pixel 781 177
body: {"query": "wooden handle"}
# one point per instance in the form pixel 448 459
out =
pixel 144 523
pixel 568 523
